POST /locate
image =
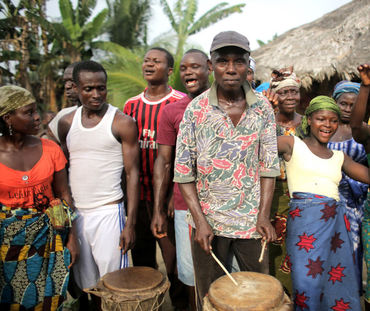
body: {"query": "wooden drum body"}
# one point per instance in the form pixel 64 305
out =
pixel 255 292
pixel 131 289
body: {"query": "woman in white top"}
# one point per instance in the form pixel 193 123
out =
pixel 318 242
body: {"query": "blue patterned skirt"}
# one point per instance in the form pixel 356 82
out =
pixel 321 256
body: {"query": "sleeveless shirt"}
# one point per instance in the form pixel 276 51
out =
pixel 306 172
pixel 96 161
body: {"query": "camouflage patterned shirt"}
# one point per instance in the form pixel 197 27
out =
pixel 227 161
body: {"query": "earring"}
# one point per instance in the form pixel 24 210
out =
pixel 10 130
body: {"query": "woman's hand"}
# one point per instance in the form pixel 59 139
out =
pixel 364 71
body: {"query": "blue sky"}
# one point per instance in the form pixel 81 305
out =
pixel 261 19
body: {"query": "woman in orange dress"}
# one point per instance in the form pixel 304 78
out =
pixel 36 234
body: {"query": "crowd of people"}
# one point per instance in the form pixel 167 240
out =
pixel 219 171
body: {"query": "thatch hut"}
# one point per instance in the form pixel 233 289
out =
pixel 322 52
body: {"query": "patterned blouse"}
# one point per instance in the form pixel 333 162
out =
pixel 227 161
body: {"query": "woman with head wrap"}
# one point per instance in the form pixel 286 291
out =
pixel 361 133
pixel 319 245
pixel 33 220
pixel 353 192
pixel 286 85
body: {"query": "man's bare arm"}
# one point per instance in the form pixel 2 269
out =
pixel 64 126
pixel 125 127
pixel 264 226
pixel 203 234
pixel 161 182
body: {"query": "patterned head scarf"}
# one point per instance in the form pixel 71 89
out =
pixel 345 87
pixel 318 103
pixel 284 77
pixel 13 97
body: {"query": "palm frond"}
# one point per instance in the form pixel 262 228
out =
pixel 122 85
pixel 167 40
pixel 118 51
pixel 177 10
pixel 84 10
pixel 93 28
pixel 191 10
pixel 168 12
pixel 68 17
pixel 214 15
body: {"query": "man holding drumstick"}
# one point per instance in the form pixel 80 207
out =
pixel 226 164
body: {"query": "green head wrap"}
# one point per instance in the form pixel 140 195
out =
pixel 13 97
pixel 318 103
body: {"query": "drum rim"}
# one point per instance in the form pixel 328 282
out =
pixel 219 305
pixel 132 270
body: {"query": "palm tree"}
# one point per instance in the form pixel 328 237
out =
pixel 127 22
pixel 74 35
pixel 182 20
pixel 64 42
pixel 123 67
pixel 25 50
pixel 14 39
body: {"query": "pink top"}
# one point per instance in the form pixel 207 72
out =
pixel 167 135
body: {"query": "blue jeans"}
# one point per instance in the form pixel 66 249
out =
pixel 183 249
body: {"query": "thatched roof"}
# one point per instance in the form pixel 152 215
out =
pixel 333 45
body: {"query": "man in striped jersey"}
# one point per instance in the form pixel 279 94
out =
pixel 146 108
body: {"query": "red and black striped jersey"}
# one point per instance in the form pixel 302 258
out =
pixel 147 115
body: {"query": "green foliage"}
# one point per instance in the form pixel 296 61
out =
pixel 49 46
pixel 75 34
pixel 183 22
pixel 124 72
pixel 127 22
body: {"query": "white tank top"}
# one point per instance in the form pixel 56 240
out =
pixel 306 172
pixel 95 162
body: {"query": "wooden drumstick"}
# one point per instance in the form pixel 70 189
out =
pixel 223 268
pixel 262 251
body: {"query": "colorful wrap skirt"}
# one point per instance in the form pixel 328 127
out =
pixel 320 253
pixel 33 261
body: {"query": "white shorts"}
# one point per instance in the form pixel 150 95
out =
pixel 98 233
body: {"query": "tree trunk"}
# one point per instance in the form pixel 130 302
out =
pixel 23 65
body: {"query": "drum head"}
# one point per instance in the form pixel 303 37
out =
pixel 255 292
pixel 133 279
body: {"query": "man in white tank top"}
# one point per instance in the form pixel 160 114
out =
pixel 99 142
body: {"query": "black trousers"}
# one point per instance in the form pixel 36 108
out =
pixel 206 269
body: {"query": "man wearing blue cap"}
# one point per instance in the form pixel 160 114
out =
pixel 226 164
